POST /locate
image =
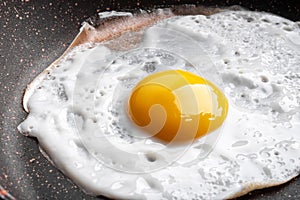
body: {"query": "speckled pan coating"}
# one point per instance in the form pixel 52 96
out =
pixel 33 34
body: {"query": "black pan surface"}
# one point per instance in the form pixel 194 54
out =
pixel 33 34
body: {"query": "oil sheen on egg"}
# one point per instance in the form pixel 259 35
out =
pixel 79 112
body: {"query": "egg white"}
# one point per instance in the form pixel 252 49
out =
pixel 78 112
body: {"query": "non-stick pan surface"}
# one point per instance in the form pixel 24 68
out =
pixel 33 34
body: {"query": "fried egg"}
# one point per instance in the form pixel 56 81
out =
pixel 191 107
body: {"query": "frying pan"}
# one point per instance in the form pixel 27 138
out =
pixel 33 35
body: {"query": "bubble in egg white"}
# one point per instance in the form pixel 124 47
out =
pixel 78 112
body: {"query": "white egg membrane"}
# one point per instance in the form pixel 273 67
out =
pixel 78 111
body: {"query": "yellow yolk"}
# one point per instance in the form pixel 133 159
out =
pixel 177 106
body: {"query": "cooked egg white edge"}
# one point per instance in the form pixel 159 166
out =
pixel 89 35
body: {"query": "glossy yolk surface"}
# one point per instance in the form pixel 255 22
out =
pixel 177 106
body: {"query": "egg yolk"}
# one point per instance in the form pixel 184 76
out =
pixel 177 106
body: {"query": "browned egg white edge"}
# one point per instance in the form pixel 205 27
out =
pixel 114 28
